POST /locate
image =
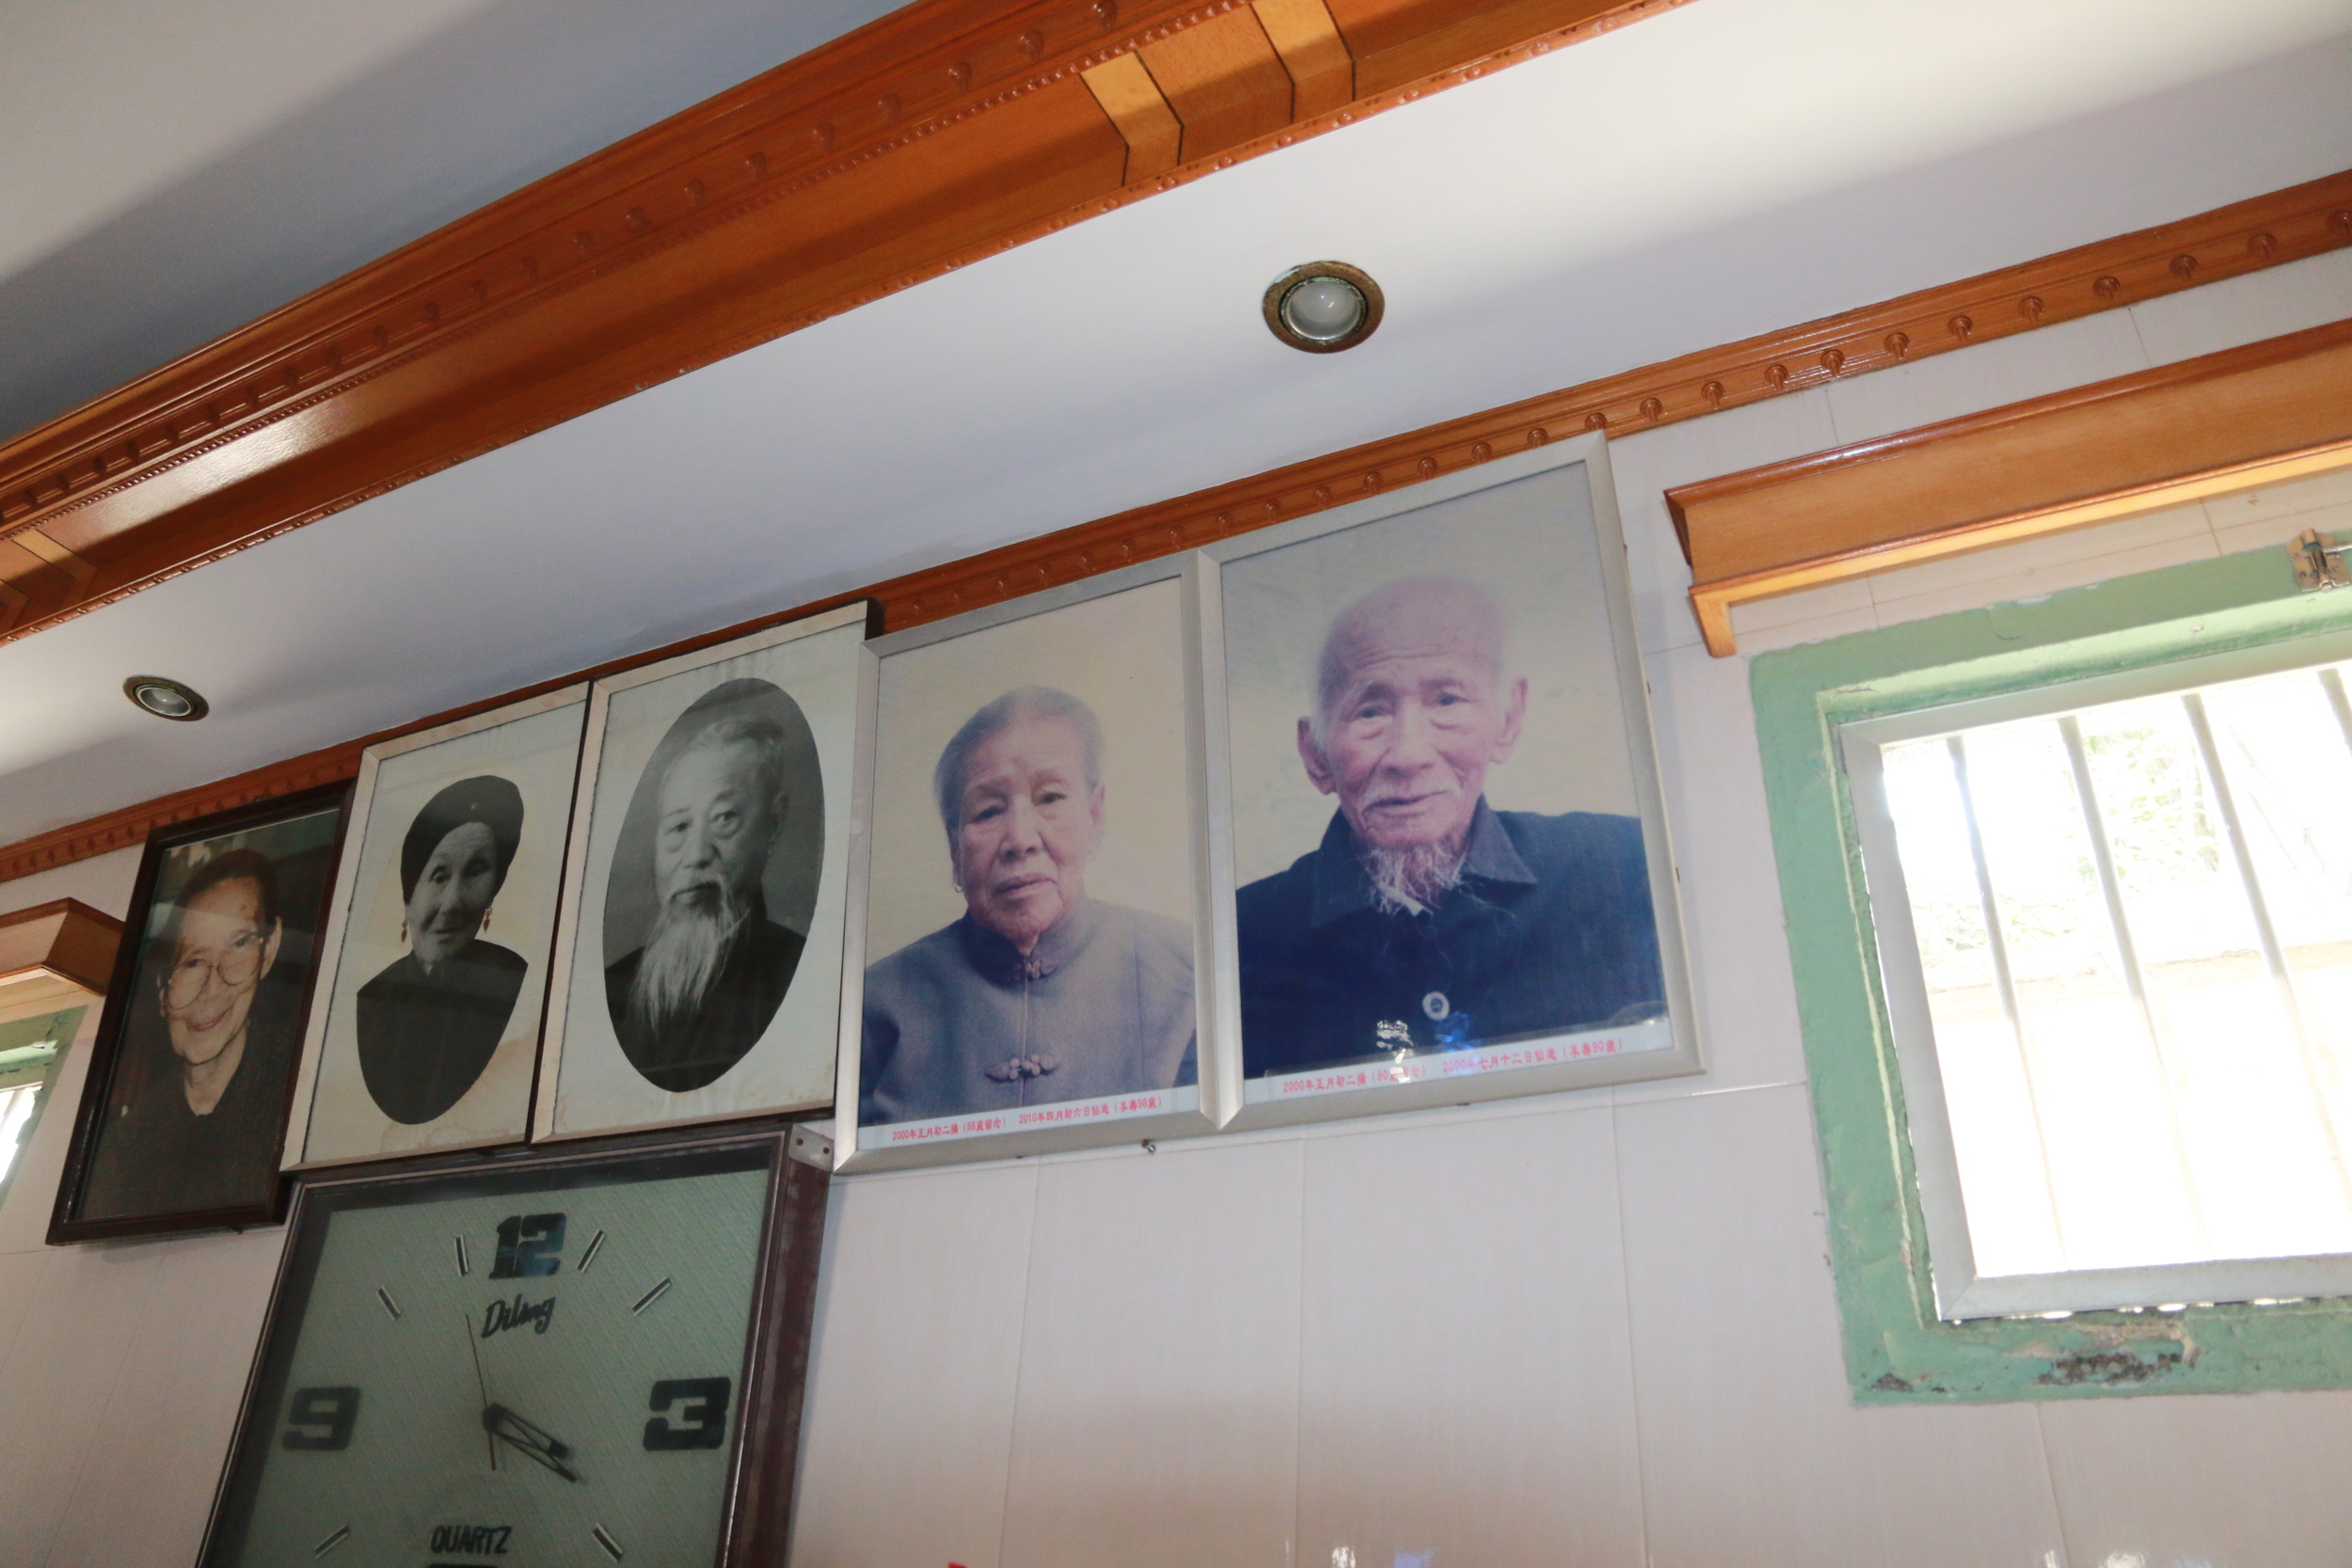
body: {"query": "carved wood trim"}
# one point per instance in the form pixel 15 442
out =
pixel 2284 226
pixel 944 132
pixel 2251 415
pixel 64 938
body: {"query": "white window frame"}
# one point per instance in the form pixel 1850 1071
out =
pixel 1961 1292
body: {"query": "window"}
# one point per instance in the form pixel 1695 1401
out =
pixel 2114 921
pixel 30 1050
pixel 16 1123
pixel 2096 1198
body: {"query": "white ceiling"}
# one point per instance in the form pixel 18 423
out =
pixel 169 171
pixel 1727 168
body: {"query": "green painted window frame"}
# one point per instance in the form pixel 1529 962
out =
pixel 1897 1350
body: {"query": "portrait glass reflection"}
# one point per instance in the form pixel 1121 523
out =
pixel 196 1100
pixel 1436 834
pixel 1030 930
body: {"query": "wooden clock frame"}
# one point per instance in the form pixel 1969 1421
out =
pixel 755 1518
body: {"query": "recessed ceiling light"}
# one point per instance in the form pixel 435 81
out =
pixel 166 698
pixel 1323 307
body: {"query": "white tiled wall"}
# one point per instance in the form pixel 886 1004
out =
pixel 1595 1329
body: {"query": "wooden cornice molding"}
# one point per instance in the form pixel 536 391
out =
pixel 2303 220
pixel 54 955
pixel 943 132
pixel 2262 413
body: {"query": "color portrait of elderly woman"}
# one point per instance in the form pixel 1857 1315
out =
pixel 200 1133
pixel 1038 992
pixel 429 1023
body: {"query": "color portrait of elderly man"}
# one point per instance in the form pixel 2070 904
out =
pixel 697 996
pixel 1425 919
pixel 1038 992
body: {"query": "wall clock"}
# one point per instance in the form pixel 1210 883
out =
pixel 586 1360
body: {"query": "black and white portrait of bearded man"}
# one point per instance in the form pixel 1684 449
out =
pixel 690 1002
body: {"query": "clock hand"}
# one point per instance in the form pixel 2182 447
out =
pixel 535 1442
pixel 481 1386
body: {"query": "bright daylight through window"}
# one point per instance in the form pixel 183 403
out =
pixel 2115 919
pixel 16 1121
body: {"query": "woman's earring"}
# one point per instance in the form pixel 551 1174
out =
pixel 485 917
pixel 403 930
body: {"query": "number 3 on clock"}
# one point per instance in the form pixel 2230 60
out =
pixel 702 1405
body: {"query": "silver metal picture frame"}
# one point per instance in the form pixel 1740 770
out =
pixel 434 958
pixel 1517 928
pixel 1031 947
pixel 697 971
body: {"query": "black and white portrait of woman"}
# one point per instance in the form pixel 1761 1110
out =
pixel 429 1021
pixel 428 1029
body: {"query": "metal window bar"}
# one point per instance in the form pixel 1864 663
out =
pixel 2127 956
pixel 2225 801
pixel 2333 683
pixel 1997 950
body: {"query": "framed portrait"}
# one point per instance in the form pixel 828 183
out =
pixel 184 1115
pixel 698 960
pixel 1030 927
pixel 1444 862
pixel 435 974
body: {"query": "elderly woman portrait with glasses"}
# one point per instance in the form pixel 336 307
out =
pixel 185 1139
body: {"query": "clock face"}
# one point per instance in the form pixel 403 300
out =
pixel 519 1366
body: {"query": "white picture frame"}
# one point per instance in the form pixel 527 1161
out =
pixel 798 684
pixel 361 1092
pixel 1125 646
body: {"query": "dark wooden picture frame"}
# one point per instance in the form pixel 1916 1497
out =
pixel 128 1039
pixel 763 1461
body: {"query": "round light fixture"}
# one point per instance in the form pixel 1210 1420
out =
pixel 167 699
pixel 1324 307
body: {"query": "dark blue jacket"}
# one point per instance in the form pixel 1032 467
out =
pixel 1549 931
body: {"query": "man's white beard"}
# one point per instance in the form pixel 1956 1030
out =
pixel 691 941
pixel 1411 881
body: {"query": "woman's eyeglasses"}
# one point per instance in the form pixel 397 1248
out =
pixel 234 969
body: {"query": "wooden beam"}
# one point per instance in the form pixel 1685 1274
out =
pixel 1224 81
pixel 55 955
pixel 1322 71
pixel 948 131
pixel 1398 41
pixel 1153 135
pixel 2258 415
pixel 2284 226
